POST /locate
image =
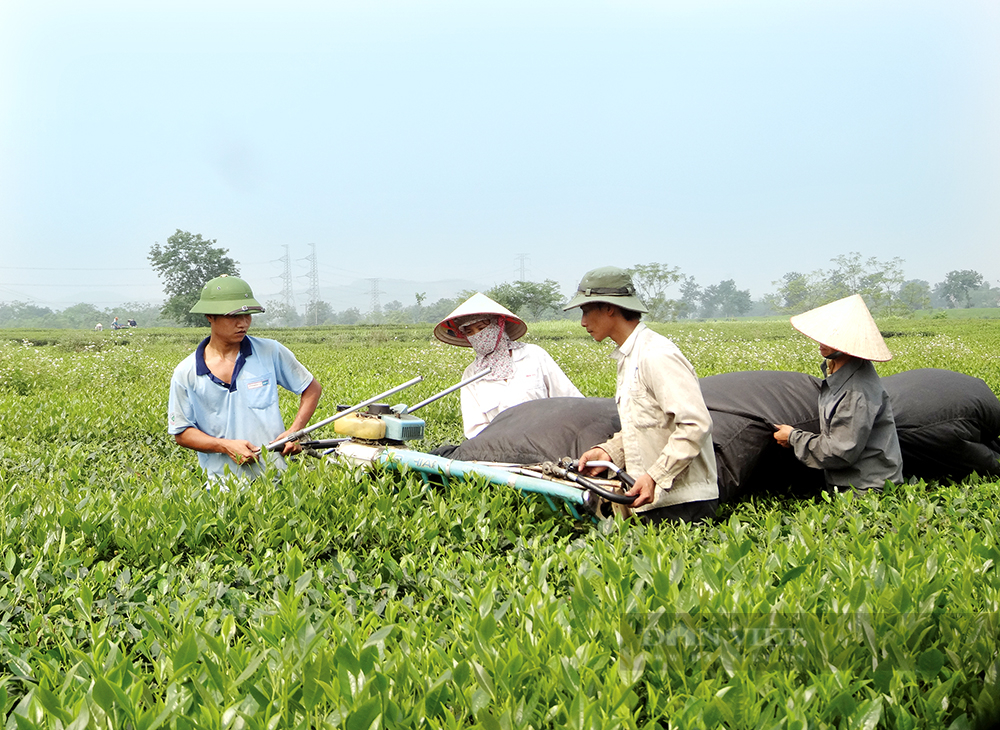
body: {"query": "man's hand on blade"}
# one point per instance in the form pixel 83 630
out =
pixel 242 451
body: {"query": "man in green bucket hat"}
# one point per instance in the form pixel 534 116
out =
pixel 224 396
pixel 665 442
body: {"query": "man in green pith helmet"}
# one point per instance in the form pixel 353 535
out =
pixel 224 395
pixel 665 442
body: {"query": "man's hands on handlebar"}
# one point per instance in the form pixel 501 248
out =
pixel 644 490
pixel 594 454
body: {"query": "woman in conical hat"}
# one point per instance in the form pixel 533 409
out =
pixel 519 371
pixel 857 445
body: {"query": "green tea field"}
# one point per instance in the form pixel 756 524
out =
pixel 132 597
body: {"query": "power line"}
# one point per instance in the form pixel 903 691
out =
pixel 71 268
pixel 341 270
pixel 81 286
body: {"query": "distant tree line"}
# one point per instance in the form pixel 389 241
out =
pixel 671 296
pixel 79 316
pixel 187 261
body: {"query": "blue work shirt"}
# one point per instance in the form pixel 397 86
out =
pixel 247 408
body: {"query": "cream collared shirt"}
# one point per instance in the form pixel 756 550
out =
pixel 666 427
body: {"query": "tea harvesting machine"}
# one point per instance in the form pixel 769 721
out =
pixel 373 434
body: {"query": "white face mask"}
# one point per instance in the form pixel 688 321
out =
pixel 493 347
pixel 486 340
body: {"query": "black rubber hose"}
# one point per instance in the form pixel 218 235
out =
pixel 572 464
pixel 629 481
pixel 600 491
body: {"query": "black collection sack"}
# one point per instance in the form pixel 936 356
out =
pixel 744 407
pixel 540 430
pixel 947 422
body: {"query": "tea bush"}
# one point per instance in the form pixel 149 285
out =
pixel 131 596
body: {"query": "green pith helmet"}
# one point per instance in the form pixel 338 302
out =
pixel 227 295
pixel 607 284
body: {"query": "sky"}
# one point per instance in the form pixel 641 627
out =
pixel 463 141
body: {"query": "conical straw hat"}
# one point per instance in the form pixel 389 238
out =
pixel 447 329
pixel 844 325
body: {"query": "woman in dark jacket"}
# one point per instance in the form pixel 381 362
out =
pixel 857 444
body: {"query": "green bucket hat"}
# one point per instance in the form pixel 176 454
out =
pixel 610 285
pixel 227 295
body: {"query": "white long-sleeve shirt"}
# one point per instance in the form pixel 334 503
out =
pixel 536 376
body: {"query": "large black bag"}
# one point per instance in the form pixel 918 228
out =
pixel 947 422
pixel 540 430
pixel 744 407
pixel 948 425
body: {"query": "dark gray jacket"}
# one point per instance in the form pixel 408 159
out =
pixel 857 445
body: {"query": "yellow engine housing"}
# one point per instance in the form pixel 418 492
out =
pixel 360 426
